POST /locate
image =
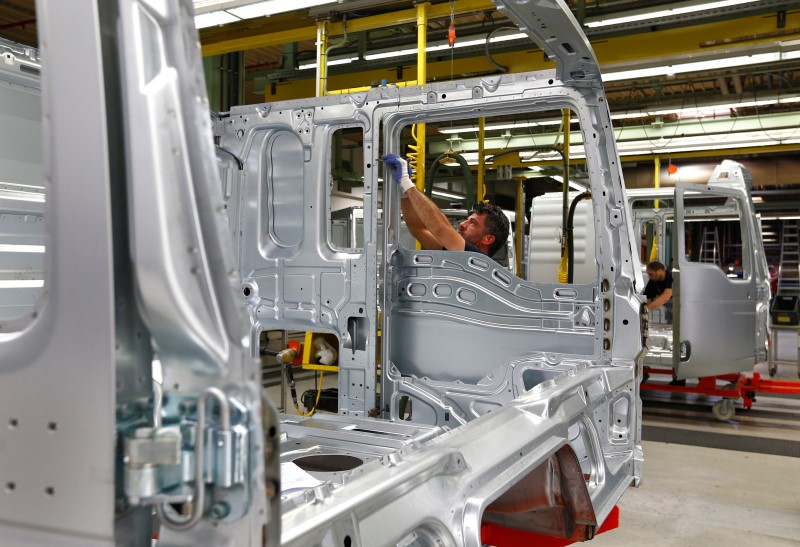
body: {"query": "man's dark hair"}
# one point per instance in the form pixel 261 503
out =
pixel 496 224
pixel 655 266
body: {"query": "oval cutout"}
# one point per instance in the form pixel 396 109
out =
pixel 442 291
pixel 417 289
pixel 570 294
pixel 501 277
pixel 423 259
pixel 478 264
pixel 467 296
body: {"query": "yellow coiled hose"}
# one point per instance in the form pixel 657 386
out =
pixel 414 154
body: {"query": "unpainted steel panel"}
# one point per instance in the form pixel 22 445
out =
pixel 714 315
pixel 729 182
pixel 184 272
pixel 57 376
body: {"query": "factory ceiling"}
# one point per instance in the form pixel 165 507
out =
pixel 662 102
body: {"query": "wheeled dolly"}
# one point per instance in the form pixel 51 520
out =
pixel 736 386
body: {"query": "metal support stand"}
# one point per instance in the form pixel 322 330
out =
pixel 790 335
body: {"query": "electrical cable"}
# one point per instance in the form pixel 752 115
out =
pixel 290 380
pixel 487 48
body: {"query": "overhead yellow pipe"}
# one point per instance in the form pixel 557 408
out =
pixel 657 174
pixel 322 56
pixel 422 75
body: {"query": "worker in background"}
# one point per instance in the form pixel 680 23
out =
pixel 485 230
pixel 659 288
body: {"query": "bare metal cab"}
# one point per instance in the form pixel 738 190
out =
pixel 467 394
pixel 719 311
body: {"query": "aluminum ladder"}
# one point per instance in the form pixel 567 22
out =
pixel 789 269
pixel 709 246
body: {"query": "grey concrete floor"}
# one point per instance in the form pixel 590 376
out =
pixel 707 496
pixel 703 496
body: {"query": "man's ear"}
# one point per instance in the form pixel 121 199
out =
pixel 488 239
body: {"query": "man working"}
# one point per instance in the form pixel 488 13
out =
pixel 485 231
pixel 659 288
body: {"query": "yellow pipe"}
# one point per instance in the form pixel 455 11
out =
pixel 565 113
pixel 520 225
pixel 562 265
pixel 322 56
pixel 481 159
pixel 422 75
pixel 657 174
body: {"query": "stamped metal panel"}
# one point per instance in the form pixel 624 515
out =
pixel 184 270
pixel 57 377
pixel 21 182
pixel 434 334
pixel 441 297
pixel 438 493
pixel 734 177
pixel 714 315
pixel 293 276
pixel 552 25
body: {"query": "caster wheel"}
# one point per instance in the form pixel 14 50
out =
pixel 772 369
pixel 723 410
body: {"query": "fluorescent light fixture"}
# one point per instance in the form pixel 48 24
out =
pixel 779 217
pixel 220 12
pixel 21 283
pixel 272 7
pixel 8 248
pixel 782 51
pixel 334 62
pixel 686 7
pixel 214 18
pixel 21 196
pixel 708 109
pixel 502 126
pixel 572 184
pixel 696 66
pixel 441 46
pixel 449 195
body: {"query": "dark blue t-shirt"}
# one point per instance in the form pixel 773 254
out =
pixel 654 288
pixel 470 247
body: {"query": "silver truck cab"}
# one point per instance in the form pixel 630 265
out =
pixel 524 395
pixel 720 313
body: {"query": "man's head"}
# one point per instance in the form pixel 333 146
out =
pixel 656 271
pixel 486 228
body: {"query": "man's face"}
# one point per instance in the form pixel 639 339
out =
pixel 472 230
pixel 657 275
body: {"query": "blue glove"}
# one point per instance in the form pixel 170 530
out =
pixel 400 171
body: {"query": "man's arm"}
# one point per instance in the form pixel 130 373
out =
pixel 660 300
pixel 424 219
pixel 427 223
